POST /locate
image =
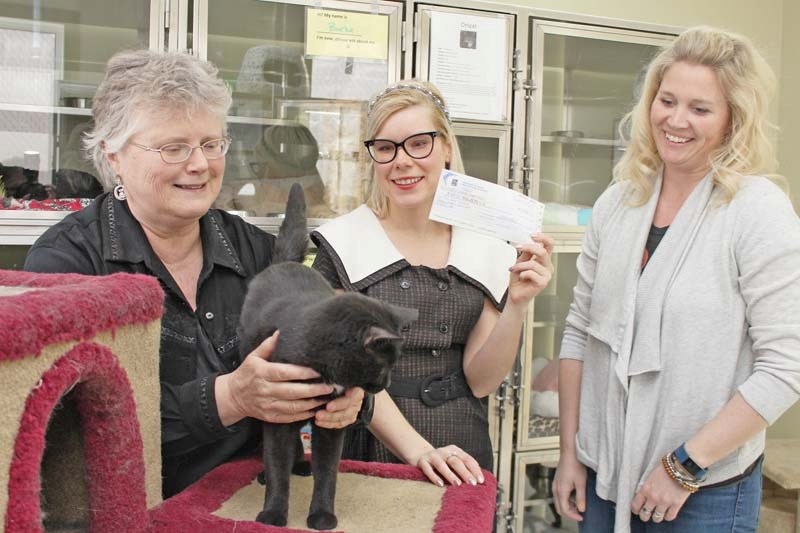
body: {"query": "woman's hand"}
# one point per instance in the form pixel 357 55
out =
pixel 660 497
pixel 532 271
pixel 569 487
pixel 342 411
pixel 451 463
pixel 264 390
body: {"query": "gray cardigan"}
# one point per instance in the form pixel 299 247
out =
pixel 717 310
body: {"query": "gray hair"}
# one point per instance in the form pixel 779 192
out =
pixel 148 80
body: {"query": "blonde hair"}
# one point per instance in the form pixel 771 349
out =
pixel 394 98
pixel 149 80
pixel 747 82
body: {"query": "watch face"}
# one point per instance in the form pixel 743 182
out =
pixel 684 460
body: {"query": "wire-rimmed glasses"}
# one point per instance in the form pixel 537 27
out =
pixel 180 152
pixel 417 146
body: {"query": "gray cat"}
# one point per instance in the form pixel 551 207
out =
pixel 350 339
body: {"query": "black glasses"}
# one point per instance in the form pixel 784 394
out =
pixel 180 152
pixel 417 146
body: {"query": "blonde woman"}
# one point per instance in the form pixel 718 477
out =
pixel 683 340
pixel 434 414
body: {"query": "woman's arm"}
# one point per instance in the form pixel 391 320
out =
pixel 494 340
pixel 571 474
pixel 736 424
pixel 449 462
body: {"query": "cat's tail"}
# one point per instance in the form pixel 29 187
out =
pixel 292 241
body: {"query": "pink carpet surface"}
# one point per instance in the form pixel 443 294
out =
pixel 464 509
pixel 72 308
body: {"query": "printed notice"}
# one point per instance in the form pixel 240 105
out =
pixel 346 34
pixel 469 63
pixel 345 78
pixel 485 207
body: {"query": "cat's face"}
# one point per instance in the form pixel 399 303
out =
pixel 383 350
pixel 361 343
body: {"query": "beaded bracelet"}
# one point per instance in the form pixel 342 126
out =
pixel 690 485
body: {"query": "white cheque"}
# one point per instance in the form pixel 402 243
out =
pixel 487 208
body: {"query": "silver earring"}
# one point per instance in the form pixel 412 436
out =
pixel 119 192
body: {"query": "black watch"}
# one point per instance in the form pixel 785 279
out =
pixel 682 457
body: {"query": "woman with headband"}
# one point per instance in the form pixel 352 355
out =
pixel 471 292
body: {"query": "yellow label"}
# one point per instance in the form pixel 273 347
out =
pixel 346 34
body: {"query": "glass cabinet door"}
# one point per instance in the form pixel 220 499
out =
pixel 534 510
pixel 538 424
pixel 301 74
pixel 588 79
pixel 52 57
pixel 485 150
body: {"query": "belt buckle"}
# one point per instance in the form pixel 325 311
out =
pixel 426 390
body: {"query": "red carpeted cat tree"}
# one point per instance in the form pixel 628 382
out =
pixel 80 435
pixel 79 368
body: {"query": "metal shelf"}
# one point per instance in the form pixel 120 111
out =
pixel 582 140
pixel 55 110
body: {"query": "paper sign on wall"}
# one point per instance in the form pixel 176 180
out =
pixel 346 34
pixel 468 63
pixel 346 78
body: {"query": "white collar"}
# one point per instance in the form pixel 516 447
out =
pixel 364 248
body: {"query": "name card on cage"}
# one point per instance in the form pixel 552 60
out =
pixel 486 208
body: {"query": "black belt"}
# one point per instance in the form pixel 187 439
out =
pixel 432 390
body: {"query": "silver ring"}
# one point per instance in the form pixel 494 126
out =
pixel 657 515
pixel 645 510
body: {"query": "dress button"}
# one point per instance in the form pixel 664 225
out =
pixel 209 315
pixel 444 328
pixel 405 284
pixel 405 328
pixel 435 353
pixel 443 286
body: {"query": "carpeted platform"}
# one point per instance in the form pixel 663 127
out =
pixel 370 498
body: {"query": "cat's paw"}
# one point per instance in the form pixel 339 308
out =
pixel 273 518
pixel 303 468
pixel 322 520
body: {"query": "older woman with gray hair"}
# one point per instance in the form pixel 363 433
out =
pixel 159 141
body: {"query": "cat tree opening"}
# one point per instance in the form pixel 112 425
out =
pixel 90 386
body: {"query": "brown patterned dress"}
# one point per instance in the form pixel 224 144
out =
pixel 449 303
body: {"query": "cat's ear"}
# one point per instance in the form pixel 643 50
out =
pixel 384 343
pixel 377 334
pixel 402 316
